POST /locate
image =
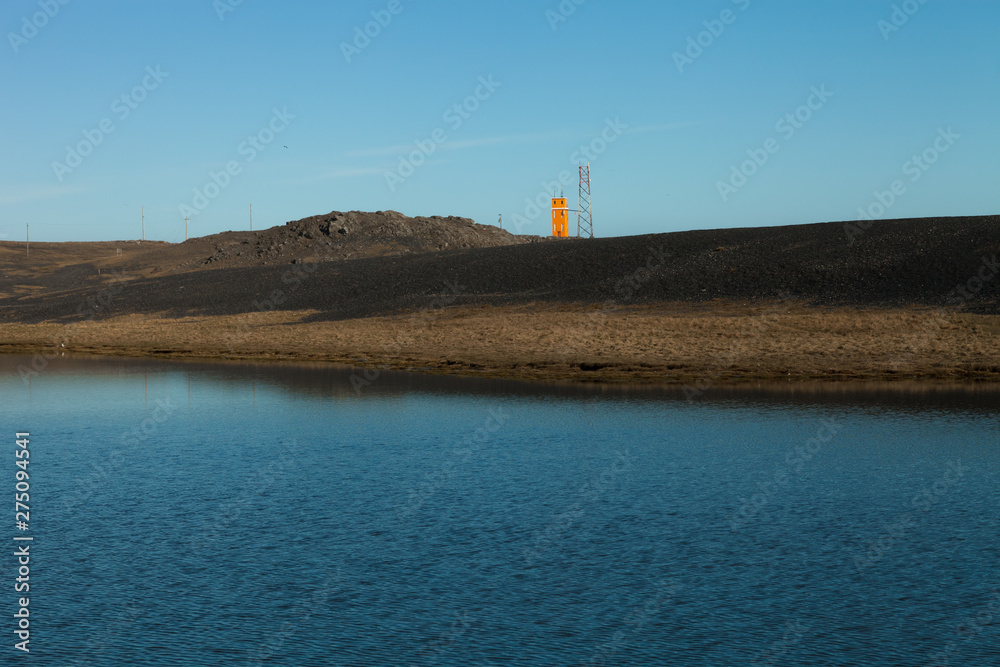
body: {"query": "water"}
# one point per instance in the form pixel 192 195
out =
pixel 212 514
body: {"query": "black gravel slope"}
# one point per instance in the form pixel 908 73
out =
pixel 895 263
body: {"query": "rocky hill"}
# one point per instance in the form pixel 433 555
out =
pixel 355 234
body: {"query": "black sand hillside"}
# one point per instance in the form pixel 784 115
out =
pixel 57 267
pixel 895 263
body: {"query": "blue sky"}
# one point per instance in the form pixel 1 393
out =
pixel 201 77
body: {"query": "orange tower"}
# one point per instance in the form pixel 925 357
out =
pixel 560 217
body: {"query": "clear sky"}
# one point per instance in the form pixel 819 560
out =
pixel 184 85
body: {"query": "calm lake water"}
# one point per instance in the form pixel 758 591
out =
pixel 224 514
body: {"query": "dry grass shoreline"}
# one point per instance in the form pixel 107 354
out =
pixel 698 345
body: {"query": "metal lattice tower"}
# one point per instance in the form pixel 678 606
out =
pixel 584 219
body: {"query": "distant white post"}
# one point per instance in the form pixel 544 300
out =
pixel 143 223
pixel 251 217
pixel 27 241
pixel 185 228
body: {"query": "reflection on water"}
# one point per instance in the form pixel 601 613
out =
pixel 206 513
pixel 327 380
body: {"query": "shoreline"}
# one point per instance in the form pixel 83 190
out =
pixel 649 378
pixel 665 344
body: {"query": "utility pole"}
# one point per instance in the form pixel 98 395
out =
pixel 143 223
pixel 185 228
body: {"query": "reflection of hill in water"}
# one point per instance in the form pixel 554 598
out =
pixel 328 381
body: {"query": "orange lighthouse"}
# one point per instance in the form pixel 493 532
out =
pixel 560 217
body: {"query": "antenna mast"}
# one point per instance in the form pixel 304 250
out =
pixel 584 218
